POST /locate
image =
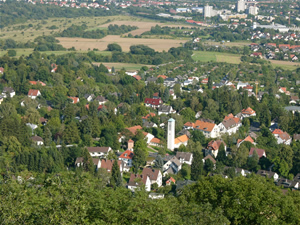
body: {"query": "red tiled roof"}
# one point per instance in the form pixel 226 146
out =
pixel 248 111
pixel 277 131
pixel 126 155
pixel 134 129
pixel 75 99
pixel 37 82
pixel 162 76
pixel 215 145
pixel 33 92
pixel 153 101
pixel 108 164
pixel 205 126
pixel 260 152
pixel 137 77
pixel 155 140
pixel 149 115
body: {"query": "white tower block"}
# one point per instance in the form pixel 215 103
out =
pixel 171 134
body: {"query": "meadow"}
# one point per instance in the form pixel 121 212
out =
pixel 205 56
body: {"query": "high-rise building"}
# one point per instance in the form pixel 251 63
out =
pixel 171 134
pixel 241 6
pixel 253 10
pixel 208 11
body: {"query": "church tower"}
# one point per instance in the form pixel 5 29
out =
pixel 171 134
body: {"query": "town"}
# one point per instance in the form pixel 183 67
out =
pixel 142 112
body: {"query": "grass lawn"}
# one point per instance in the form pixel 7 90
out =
pixel 285 64
pixel 205 56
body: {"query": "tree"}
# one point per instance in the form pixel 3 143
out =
pixel 88 164
pixel 252 162
pixel 71 133
pixel 188 114
pixel 116 178
pixel 221 157
pixel 47 136
pixel 11 53
pixel 114 47
pixel 166 95
pixel 140 154
pixel 197 166
pixel 208 165
pixel 159 162
pixel 185 171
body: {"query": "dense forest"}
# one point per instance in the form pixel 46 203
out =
pixel 19 12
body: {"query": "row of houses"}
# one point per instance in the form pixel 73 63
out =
pixel 229 125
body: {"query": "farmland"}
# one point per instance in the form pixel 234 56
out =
pixel 143 26
pixel 125 43
pixel 204 56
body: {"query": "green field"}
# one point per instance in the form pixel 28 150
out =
pixel 205 56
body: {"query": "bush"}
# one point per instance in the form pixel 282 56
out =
pixel 11 53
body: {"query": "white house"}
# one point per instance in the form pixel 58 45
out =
pixel 268 174
pixel 171 165
pixel 96 162
pixel 126 157
pixel 154 175
pixel 33 94
pixel 165 109
pixel 185 157
pixel 242 85
pixel 209 129
pixel 282 137
pixel 133 73
pixel 230 125
pixel 100 152
pixel 137 181
pixel 37 140
pixel 8 91
pixel 213 147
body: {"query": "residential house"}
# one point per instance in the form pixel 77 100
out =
pixel 151 79
pixel 1 99
pixel 100 152
pixel 148 116
pixel 296 137
pixel 139 181
pixel 133 130
pixel 165 109
pixel 170 82
pixel 131 73
pixel 155 142
pixel 153 103
pixel 170 181
pixel 96 162
pixel 282 137
pixel 149 124
pixel 37 140
pixel 294 99
pixel 74 100
pixel 185 157
pixel 260 152
pixel 209 157
pixel 209 129
pixel 126 157
pixel 248 138
pixel 213 147
pixel 8 91
pixel 89 97
pixel 248 112
pixel 1 70
pixel 268 174
pixel 107 164
pixel 33 94
pixel 181 140
pixel 230 125
pixel 283 90
pixel 204 81
pixel 101 100
pixel 37 82
pixel 285 183
pixel 154 175
pixel 241 85
pixel 171 165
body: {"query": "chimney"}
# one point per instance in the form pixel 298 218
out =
pixel 130 144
